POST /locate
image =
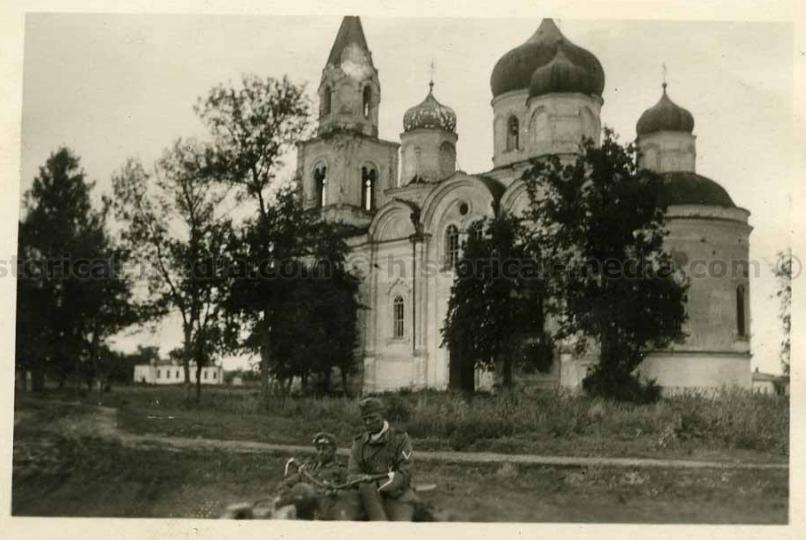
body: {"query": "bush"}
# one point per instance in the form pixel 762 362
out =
pixel 620 386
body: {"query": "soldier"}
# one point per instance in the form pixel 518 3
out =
pixel 383 449
pixel 324 466
pixel 310 500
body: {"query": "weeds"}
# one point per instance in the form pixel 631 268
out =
pixel 518 421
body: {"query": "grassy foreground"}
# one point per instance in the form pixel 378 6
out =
pixel 730 425
pixel 72 474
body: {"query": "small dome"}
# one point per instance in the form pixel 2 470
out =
pixel 514 70
pixel 430 114
pixel 691 188
pixel 665 116
pixel 560 75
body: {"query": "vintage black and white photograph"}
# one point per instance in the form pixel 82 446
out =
pixel 357 267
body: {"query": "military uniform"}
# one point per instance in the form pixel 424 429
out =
pixel 385 452
pixel 332 473
pixel 311 500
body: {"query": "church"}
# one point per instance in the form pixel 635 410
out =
pixel 411 208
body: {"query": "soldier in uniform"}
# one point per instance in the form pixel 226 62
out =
pixel 324 466
pixel 382 448
pixel 310 500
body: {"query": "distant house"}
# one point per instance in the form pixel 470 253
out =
pixel 767 383
pixel 168 372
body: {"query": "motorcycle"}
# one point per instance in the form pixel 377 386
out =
pixel 315 499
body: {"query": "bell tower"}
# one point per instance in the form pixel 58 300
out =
pixel 349 93
pixel 346 169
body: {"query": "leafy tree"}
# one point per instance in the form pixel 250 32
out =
pixel 174 221
pixel 495 301
pixel 72 289
pixel 783 273
pixel 253 127
pixel 598 232
pixel 317 330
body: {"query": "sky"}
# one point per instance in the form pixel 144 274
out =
pixel 116 86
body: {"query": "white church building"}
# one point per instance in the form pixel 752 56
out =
pixel 411 207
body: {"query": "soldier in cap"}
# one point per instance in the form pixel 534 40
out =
pixel 324 466
pixel 382 448
pixel 309 500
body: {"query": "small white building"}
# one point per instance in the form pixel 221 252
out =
pixel 167 372
pixel 768 383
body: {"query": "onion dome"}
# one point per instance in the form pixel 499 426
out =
pixel 560 75
pixel 430 114
pixel 665 116
pixel 514 70
pixel 685 187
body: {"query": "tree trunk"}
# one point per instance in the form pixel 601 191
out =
pixel 187 347
pixel 198 379
pixel 265 357
pixel 344 387
pixel 468 375
pixel 506 369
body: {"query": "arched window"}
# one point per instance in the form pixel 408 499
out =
pixel 367 100
pixel 513 134
pixel 368 177
pixel 326 100
pixel 398 317
pixel 478 229
pixel 320 179
pixel 741 322
pixel 451 246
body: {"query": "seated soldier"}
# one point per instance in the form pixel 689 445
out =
pixel 311 499
pixel 383 449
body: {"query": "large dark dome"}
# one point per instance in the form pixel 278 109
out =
pixel 430 114
pixel 514 70
pixel 665 115
pixel 685 187
pixel 560 75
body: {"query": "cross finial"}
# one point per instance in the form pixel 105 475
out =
pixel 432 71
pixel 664 77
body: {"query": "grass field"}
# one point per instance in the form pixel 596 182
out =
pixel 73 473
pixel 731 426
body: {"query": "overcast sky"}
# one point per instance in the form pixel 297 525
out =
pixel 114 86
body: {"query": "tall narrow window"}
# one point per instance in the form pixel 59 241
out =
pixel 741 322
pixel 368 177
pixel 451 246
pixel 326 101
pixel 367 100
pixel 513 134
pixel 398 315
pixel 320 179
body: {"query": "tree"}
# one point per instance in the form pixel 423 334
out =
pixel 317 330
pixel 783 273
pixel 253 127
pixel 72 289
pixel 173 220
pixel 598 232
pixel 495 301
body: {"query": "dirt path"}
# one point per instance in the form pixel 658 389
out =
pixel 104 423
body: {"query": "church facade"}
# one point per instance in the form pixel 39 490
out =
pixel 411 207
